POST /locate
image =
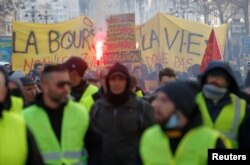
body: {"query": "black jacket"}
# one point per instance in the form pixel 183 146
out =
pixel 99 94
pixel 113 137
pixel 34 156
pixel 247 80
pixel 78 91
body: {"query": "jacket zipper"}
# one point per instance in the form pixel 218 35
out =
pixel 114 125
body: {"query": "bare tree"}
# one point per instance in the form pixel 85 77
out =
pixel 225 10
pixel 243 4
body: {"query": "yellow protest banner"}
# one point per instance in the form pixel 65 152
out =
pixel 52 43
pixel 175 42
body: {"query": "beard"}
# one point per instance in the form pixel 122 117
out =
pixel 60 99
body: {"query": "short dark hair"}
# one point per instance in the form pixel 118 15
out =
pixel 52 68
pixel 166 72
pixel 7 65
pixel 37 64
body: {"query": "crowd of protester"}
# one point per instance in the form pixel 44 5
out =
pixel 65 114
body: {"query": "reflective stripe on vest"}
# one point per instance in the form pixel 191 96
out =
pixel 228 120
pixel 76 155
pixel 91 89
pixel 192 149
pixel 16 104
pixel 234 128
pixel 51 156
pixel 74 126
pixel 13 139
pixel 69 154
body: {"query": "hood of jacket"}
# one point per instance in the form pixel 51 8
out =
pixel 233 86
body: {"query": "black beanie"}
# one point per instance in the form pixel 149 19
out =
pixel 121 70
pixel 77 64
pixel 182 95
pixel 27 81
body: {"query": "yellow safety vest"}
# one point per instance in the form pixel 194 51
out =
pixel 91 89
pixel 88 102
pixel 16 104
pixel 74 126
pixel 229 119
pixel 139 94
pixel 192 150
pixel 13 139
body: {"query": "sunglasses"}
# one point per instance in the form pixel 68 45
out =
pixel 62 84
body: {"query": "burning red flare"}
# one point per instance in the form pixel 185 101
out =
pixel 99 50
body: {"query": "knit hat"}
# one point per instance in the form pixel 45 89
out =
pixel 77 64
pixel 182 95
pixel 118 70
pixel 27 81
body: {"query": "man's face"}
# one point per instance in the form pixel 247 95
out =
pixel 117 84
pixel 29 93
pixel 57 86
pixel 7 68
pixel 163 107
pixel 166 79
pixel 217 81
pixel 138 73
pixel 74 77
pixel 39 68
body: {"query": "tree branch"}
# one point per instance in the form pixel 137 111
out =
pixel 226 5
pixel 231 15
pixel 237 3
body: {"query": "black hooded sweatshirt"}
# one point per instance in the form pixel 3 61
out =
pixel 115 126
